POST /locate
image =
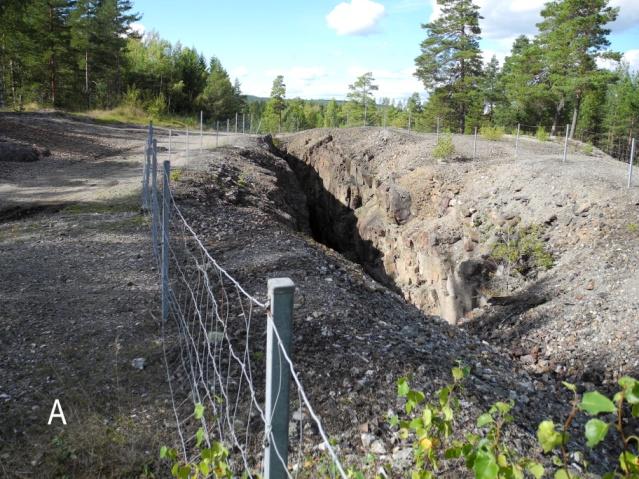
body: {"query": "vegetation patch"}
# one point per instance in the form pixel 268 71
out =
pixel 492 133
pixel 542 134
pixel 588 149
pixel 523 249
pixel 444 148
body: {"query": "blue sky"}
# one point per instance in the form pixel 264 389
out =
pixel 321 46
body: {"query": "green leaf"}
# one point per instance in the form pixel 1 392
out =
pixel 199 411
pixel 503 407
pixel 458 374
pixel 199 437
pixel 443 395
pixel 163 451
pixel 453 453
pixel 484 419
pixel 393 420
pixel 415 396
pixel 595 403
pixel 204 468
pixel 535 469
pixel 448 413
pixel 548 437
pixel 570 386
pixel 630 388
pixel 416 423
pixel 402 387
pixel 427 416
pixel 184 472
pixel 635 410
pixel 485 466
pixel 629 462
pixel 596 431
pixel 561 474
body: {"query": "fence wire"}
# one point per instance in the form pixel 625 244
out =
pixel 214 351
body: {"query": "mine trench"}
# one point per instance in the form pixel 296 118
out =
pixel 424 276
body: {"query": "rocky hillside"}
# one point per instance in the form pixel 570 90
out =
pixel 384 206
pixel 530 253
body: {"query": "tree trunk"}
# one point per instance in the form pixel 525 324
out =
pixel 13 83
pixel 86 78
pixel 575 115
pixel 52 66
pixel 555 120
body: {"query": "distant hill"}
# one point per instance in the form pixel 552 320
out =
pixel 253 99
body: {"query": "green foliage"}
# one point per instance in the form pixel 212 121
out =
pixel 360 96
pixel 492 133
pixel 212 461
pixel 450 61
pixel 587 148
pixel 521 247
pixel 444 147
pixel 541 134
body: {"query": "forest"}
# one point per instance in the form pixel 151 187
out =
pixel 83 55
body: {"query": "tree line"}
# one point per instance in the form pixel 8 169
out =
pixel 83 54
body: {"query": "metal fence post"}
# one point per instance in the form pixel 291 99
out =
pixel 632 159
pixel 166 212
pixel 228 123
pixel 243 117
pixel 475 144
pixel 517 141
pixel 235 122
pixel 217 133
pixel 566 144
pixel 145 177
pixel 154 196
pixel 280 293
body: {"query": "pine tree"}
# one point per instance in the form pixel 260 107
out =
pixel 276 103
pixel 360 93
pixel 572 36
pixel 450 62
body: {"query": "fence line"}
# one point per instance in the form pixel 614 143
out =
pixel 210 351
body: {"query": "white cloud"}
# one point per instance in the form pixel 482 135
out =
pixel 137 27
pixel 628 14
pixel 359 17
pixel 316 82
pixel 504 21
pixel 632 57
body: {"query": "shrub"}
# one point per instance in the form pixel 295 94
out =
pixel 157 106
pixel 542 134
pixel 444 147
pixel 523 248
pixel 492 133
pixel 588 148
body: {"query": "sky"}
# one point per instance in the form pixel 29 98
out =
pixel 322 46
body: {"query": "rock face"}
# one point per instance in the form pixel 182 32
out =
pixel 369 215
pixel 429 229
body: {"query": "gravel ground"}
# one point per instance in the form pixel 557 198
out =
pixel 79 301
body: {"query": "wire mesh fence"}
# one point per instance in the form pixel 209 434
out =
pixel 228 385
